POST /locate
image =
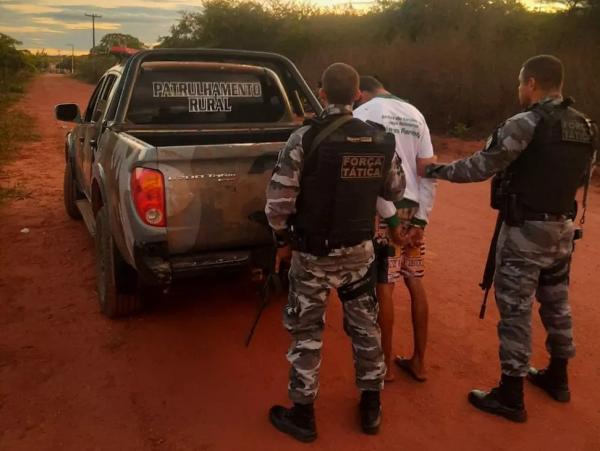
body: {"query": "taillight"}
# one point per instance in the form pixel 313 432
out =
pixel 148 191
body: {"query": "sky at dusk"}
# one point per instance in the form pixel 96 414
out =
pixel 54 24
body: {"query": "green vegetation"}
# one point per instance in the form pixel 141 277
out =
pixel 457 61
pixel 15 127
pixel 13 192
pixel 89 68
pixel 16 68
pixel 116 39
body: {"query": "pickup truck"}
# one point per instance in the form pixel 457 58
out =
pixel 168 164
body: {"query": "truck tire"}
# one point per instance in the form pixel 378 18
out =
pixel 71 193
pixel 117 282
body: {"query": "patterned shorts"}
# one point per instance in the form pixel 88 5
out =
pixel 394 262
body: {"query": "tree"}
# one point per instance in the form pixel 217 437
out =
pixel 11 59
pixel 117 39
pixel 274 25
pixel 454 59
pixel 13 62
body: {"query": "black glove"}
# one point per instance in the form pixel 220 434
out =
pixel 431 170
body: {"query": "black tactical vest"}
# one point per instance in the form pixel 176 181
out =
pixel 546 176
pixel 341 180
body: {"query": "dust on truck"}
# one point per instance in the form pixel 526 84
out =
pixel 168 164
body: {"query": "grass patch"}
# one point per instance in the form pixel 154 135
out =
pixel 15 192
pixel 15 128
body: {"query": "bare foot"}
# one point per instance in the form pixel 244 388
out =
pixel 389 376
pixel 412 368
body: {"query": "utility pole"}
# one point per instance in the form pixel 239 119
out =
pixel 94 17
pixel 72 58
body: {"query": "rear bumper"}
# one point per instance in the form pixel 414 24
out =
pixel 191 265
pixel 156 267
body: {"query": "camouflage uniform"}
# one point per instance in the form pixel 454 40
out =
pixel 312 278
pixel 531 260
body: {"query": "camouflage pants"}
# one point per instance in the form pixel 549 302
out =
pixel 311 279
pixel 533 260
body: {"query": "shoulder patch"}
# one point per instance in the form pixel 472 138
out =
pixel 359 139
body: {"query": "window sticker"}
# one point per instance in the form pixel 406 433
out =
pixel 206 96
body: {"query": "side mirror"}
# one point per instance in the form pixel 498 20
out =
pixel 67 112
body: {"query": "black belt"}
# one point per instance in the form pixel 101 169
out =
pixel 321 247
pixel 339 244
pixel 551 217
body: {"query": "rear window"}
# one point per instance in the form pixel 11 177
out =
pixel 201 96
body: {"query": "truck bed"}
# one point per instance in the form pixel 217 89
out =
pixel 238 135
pixel 215 185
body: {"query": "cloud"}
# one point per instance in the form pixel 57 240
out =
pixel 8 29
pixel 25 8
pixel 124 16
pixel 114 4
pixel 83 25
pixel 55 22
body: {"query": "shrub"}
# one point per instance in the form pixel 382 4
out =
pixel 457 61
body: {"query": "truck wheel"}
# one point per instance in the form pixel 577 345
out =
pixel 116 280
pixel 71 193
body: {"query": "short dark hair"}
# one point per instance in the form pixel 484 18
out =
pixel 370 83
pixel 340 83
pixel 547 70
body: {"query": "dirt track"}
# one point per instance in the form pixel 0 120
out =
pixel 179 377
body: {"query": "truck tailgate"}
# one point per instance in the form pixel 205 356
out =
pixel 211 193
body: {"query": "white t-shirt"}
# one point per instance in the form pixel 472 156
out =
pixel 412 141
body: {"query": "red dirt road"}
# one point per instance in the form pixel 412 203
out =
pixel 180 378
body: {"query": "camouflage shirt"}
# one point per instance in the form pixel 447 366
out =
pixel 284 187
pixel 502 148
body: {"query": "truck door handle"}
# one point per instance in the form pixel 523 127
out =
pixel 92 143
pixel 82 139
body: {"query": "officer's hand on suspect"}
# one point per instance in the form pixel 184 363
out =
pixel 414 236
pixel 398 235
pixel 429 171
pixel 422 164
pixel 283 255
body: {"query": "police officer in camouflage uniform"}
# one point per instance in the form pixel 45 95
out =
pixel 540 158
pixel 321 203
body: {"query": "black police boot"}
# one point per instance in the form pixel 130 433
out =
pixel 553 380
pixel 299 421
pixel 370 412
pixel 505 400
